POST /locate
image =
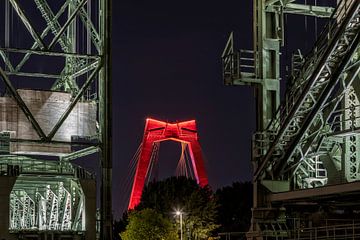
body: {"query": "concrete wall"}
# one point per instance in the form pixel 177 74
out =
pixel 47 107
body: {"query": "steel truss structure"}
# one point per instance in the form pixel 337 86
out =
pixel 324 80
pixel 40 203
pixel 311 139
pixel 156 132
pixel 63 48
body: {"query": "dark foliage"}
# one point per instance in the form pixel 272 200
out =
pixel 180 193
pixel 235 203
pixel 170 194
pixel 120 226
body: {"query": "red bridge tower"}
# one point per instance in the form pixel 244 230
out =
pixel 158 131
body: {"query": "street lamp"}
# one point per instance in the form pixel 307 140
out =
pixel 179 213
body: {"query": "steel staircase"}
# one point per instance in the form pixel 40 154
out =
pixel 312 87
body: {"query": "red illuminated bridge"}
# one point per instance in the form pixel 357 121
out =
pixel 156 132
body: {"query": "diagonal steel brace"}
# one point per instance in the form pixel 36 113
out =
pixel 22 105
pixel 68 22
pixel 27 23
pixel 74 102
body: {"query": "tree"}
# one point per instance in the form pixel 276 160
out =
pixel 198 204
pixel 235 203
pixel 147 224
pixel 120 226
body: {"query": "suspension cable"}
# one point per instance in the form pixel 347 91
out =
pixel 153 161
pixel 181 169
pixel 126 183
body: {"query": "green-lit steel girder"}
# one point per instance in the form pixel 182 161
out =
pixel 311 139
pixel 85 74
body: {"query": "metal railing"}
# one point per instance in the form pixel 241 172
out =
pixel 333 229
pixel 15 165
pixel 340 231
pixel 232 236
pixel 237 64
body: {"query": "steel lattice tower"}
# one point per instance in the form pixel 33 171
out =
pixel 55 106
pixel 305 150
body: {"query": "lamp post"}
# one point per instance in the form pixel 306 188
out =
pixel 179 213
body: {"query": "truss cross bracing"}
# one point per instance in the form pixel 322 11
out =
pixel 327 71
pixel 55 104
pixel 305 150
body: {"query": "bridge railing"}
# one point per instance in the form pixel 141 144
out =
pixel 342 231
pixel 331 229
pixel 232 236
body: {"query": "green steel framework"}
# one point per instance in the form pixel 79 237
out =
pixel 85 74
pixel 311 140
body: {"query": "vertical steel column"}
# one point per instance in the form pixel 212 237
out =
pixel 71 35
pixel 267 32
pixel 267 36
pixel 105 103
pixel 351 115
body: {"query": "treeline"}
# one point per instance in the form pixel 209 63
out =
pixel 204 213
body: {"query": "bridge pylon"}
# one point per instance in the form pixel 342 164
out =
pixel 159 131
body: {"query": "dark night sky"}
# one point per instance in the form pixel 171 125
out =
pixel 166 65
